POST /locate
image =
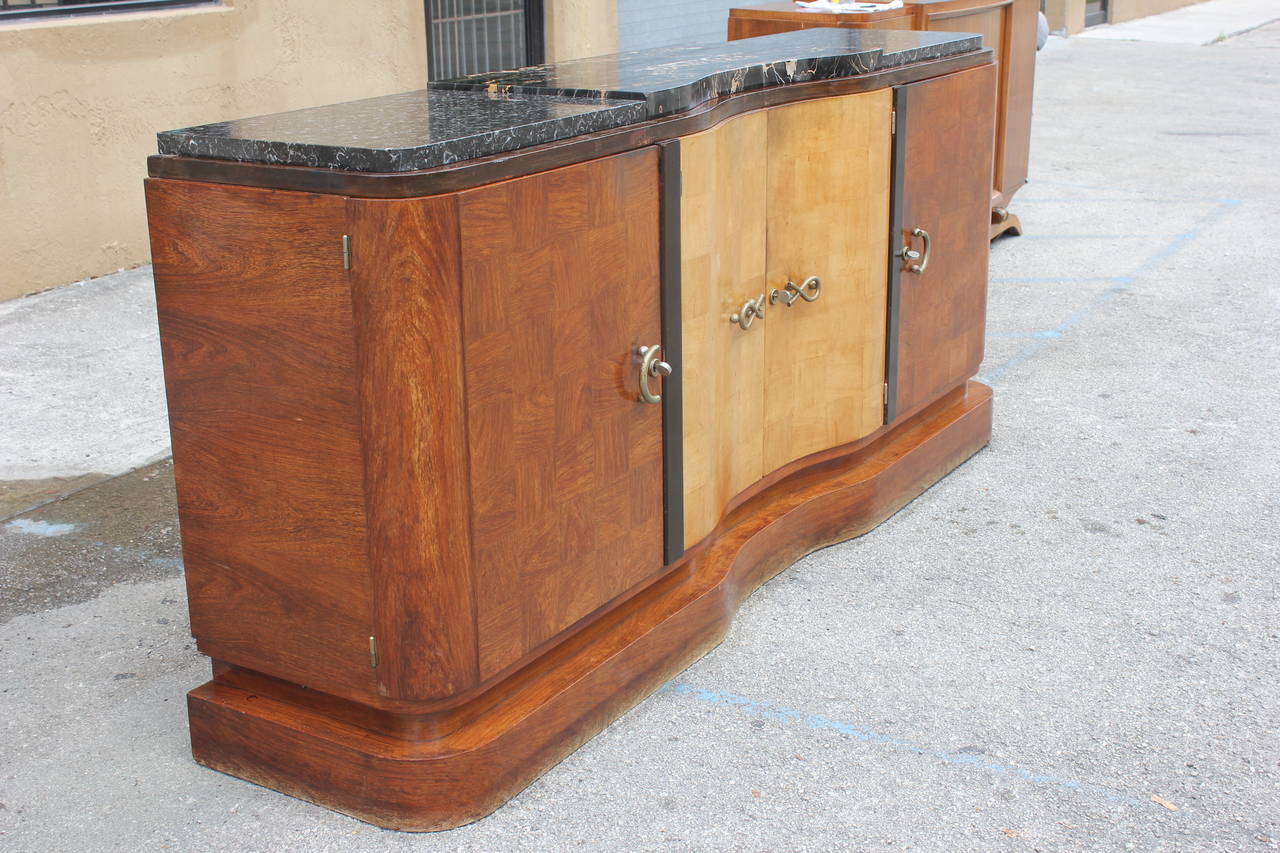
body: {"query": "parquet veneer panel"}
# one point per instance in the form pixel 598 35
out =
pixel 946 167
pixel 560 288
pixel 722 228
pixel 828 216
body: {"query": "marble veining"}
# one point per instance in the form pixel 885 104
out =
pixel 404 132
pixel 485 114
pixel 674 79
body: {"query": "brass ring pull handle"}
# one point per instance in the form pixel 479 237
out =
pixel 651 366
pixel 909 254
pixel 809 290
pixel 747 314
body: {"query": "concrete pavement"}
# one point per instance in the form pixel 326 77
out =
pixel 1071 643
pixel 1199 23
pixel 80 387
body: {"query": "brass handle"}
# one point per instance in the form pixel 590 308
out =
pixel 651 366
pixel 747 314
pixel 911 255
pixel 809 290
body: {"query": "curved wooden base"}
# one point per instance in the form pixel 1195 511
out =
pixel 396 775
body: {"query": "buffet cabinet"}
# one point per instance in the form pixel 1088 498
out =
pixel 463 476
pixel 1008 27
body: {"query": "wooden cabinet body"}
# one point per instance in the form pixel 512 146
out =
pixel 1008 27
pixel 482 443
pixel 434 534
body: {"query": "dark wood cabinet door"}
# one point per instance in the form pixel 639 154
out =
pixel 261 375
pixel 560 286
pixel 942 184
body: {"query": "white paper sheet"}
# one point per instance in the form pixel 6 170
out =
pixel 832 6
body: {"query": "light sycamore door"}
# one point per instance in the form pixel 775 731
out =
pixel 722 264
pixel 828 186
pixel 771 196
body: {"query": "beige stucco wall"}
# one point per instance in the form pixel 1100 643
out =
pixel 1127 10
pixel 578 28
pixel 1068 15
pixel 1065 16
pixel 82 98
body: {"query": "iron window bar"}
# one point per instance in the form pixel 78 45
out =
pixel 474 36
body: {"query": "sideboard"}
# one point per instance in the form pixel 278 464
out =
pixel 491 402
pixel 1008 27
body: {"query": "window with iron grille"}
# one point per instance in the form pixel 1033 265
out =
pixel 474 36
pixel 10 9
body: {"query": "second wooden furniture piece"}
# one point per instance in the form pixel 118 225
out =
pixel 476 451
pixel 1008 27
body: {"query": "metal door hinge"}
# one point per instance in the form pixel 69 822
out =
pixel 346 259
pixel 893 122
pixel 373 652
pixel 886 393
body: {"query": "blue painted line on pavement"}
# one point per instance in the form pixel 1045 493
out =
pixel 1128 195
pixel 1065 199
pixel 793 717
pixel 1055 279
pixel 1025 237
pixel 1038 344
pixel 1120 284
pixel 1048 333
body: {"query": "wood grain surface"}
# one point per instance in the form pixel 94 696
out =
pixel 945 180
pixel 828 216
pixel 264 412
pixel 548 709
pixel 1009 28
pixel 722 240
pixel 405 292
pixel 560 286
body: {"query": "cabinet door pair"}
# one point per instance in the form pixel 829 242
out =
pixel 780 207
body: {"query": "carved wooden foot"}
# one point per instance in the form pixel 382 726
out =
pixel 1004 222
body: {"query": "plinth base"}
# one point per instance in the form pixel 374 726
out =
pixel 430 772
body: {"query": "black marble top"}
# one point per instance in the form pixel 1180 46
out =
pixel 399 133
pixel 488 114
pixel 673 79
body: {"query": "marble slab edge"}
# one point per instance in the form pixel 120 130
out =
pixel 219 142
pixel 686 96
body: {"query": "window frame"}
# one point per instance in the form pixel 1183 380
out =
pixel 99 7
